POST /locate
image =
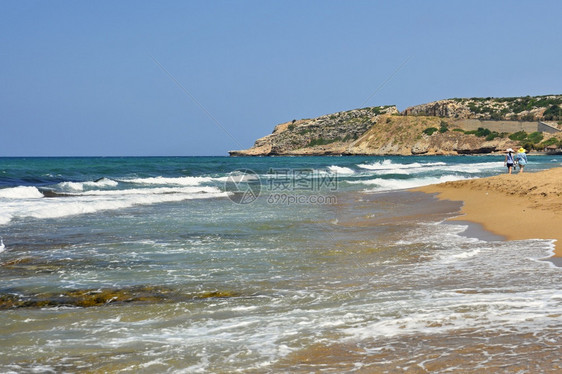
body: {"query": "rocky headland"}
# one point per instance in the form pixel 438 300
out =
pixel 451 126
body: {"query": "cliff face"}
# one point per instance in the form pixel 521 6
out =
pixel 434 128
pixel 537 108
pixel 404 135
pixel 385 134
pixel 328 134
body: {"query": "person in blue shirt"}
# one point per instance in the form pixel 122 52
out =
pixel 509 160
pixel 521 159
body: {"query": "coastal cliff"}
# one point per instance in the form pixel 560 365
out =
pixel 537 108
pixel 435 128
pixel 328 134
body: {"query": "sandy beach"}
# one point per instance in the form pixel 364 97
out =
pixel 515 206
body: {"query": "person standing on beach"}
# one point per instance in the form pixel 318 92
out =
pixel 521 158
pixel 509 161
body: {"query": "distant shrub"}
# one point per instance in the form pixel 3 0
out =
pixel 291 127
pixel 482 132
pixel 349 137
pixel 430 130
pixel 496 116
pixel 459 130
pixel 492 135
pixel 322 141
pixel 548 142
pixel 554 112
pixel 535 137
pixel 443 127
pixel 377 110
pixel 518 136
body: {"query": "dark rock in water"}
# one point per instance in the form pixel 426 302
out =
pixel 50 193
pixel 100 297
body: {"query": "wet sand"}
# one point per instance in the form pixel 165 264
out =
pixel 515 206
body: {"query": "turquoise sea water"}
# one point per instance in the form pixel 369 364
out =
pixel 303 264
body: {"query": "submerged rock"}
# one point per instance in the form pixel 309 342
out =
pixel 99 297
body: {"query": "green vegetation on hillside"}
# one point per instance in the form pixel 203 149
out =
pixel 553 113
pixel 518 136
pixel 498 108
pixel 484 133
pixel 530 141
pixel 322 141
pixel 549 142
pixel 430 130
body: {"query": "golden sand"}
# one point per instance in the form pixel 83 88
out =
pixel 516 206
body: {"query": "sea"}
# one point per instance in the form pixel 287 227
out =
pixel 265 265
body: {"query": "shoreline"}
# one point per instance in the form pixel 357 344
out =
pixel 514 206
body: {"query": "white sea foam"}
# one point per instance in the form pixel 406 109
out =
pixel 70 186
pixel 179 181
pixel 235 177
pixel 341 170
pixel 510 295
pixel 151 191
pixel 470 168
pixel 400 184
pixel 79 186
pixel 389 165
pixel 20 192
pixel 103 182
pixel 99 200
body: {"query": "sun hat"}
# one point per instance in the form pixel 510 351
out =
pixel 509 150
pixel 521 150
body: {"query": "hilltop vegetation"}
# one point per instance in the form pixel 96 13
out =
pixel 434 128
pixel 546 108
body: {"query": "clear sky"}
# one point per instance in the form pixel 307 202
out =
pixel 136 78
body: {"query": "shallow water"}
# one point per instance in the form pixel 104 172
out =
pixel 188 281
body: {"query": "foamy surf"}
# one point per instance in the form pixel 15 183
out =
pixel 381 184
pixel 390 165
pixel 99 200
pixel 20 192
pixel 510 297
pixel 340 170
pixel 80 186
pixel 180 181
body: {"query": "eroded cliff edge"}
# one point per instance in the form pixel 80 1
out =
pixel 452 126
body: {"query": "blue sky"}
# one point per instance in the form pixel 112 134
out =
pixel 142 78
